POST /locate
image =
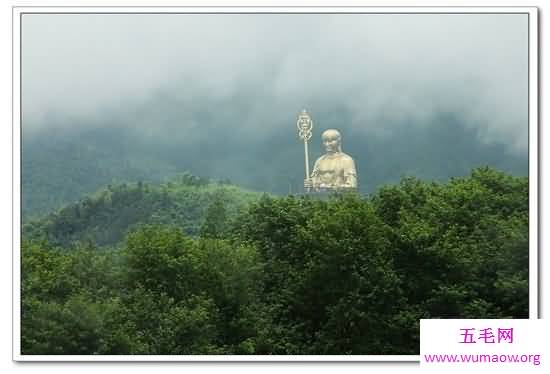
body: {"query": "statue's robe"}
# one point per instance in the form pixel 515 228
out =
pixel 334 171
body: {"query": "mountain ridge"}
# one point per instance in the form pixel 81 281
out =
pixel 107 215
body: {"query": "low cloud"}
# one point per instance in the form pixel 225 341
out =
pixel 260 70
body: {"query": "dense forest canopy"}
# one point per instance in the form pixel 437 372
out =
pixel 346 274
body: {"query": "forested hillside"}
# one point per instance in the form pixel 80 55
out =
pixel 290 275
pixel 105 217
pixel 60 166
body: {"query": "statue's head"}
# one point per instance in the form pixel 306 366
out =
pixel 332 140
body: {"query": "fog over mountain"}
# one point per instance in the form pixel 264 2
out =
pixel 430 95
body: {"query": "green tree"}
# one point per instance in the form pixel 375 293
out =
pixel 329 281
pixel 215 223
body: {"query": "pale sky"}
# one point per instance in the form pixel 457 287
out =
pixel 382 68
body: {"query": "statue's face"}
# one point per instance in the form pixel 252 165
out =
pixel 331 141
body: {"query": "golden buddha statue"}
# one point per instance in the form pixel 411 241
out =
pixel 335 170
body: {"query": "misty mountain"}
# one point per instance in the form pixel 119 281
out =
pixel 154 140
pixel 103 218
pixel 130 97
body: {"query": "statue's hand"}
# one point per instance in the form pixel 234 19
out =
pixel 308 183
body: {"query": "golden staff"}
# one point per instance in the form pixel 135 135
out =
pixel 305 125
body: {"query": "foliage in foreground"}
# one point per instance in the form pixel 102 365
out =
pixel 294 275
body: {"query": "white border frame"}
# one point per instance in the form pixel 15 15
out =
pixel 533 74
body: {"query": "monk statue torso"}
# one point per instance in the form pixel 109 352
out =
pixel 335 170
